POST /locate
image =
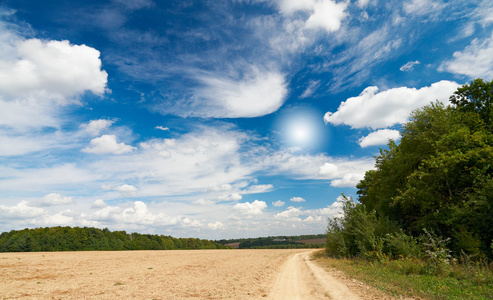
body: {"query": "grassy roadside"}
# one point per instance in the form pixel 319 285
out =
pixel 404 278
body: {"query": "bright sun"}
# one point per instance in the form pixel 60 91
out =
pixel 300 128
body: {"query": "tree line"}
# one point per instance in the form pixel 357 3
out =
pixel 431 194
pixel 276 242
pixel 91 239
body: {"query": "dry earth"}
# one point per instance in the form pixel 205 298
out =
pixel 182 274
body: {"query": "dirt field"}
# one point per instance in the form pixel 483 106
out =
pixel 183 274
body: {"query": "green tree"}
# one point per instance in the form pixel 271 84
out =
pixel 439 176
pixel 476 97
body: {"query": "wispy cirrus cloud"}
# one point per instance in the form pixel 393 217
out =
pixel 476 60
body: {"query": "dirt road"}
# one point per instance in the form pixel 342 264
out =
pixel 300 278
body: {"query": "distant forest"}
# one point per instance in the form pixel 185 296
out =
pixel 90 239
pixel 278 242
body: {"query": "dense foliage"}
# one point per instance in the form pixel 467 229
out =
pixel 436 182
pixel 88 238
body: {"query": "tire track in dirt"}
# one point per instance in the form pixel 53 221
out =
pixel 300 278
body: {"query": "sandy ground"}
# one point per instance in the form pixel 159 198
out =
pixel 182 274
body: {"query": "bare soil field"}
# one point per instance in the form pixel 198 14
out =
pixel 181 274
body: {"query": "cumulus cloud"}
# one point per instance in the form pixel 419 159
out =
pixel 95 127
pixel 55 199
pixel 409 66
pixel 232 197
pixel 107 144
pixel 291 212
pixel 380 137
pixel 99 204
pixel 323 14
pixel 345 173
pixel 476 60
pixel 38 77
pixel 278 203
pixel 126 189
pixel 162 128
pixel 254 208
pixel 137 213
pixel 63 218
pixel 51 69
pixel 297 199
pixel 20 211
pixel 320 167
pixel 215 226
pixel 374 109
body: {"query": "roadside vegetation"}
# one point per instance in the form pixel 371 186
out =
pixel 90 239
pixel 422 224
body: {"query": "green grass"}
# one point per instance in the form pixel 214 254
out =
pixel 411 277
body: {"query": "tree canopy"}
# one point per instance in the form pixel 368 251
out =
pixel 88 238
pixel 439 176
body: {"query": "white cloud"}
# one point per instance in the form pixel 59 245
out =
pixel 135 213
pixel 320 167
pixel 126 189
pixel 204 202
pixel 363 3
pixel 327 15
pixel 55 199
pixel 323 14
pixel 215 226
pixel 52 69
pixel 476 60
pixel 311 89
pixel 423 7
pixel 49 178
pixel 216 187
pixel 205 160
pixel 297 199
pixel 257 189
pixel 376 110
pixel 278 203
pixel 162 128
pixel 13 145
pixel 380 137
pixel 232 197
pixel 345 173
pixel 258 94
pixel 95 127
pixel 20 211
pixel 348 180
pixel 291 212
pixel 99 204
pixel 63 218
pixel 107 144
pixel 38 77
pixel 409 66
pixel 254 208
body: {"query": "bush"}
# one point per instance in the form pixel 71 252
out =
pixel 398 244
pixel 437 254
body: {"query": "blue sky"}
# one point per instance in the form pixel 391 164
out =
pixel 215 119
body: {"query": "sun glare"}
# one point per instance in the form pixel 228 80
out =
pixel 300 128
